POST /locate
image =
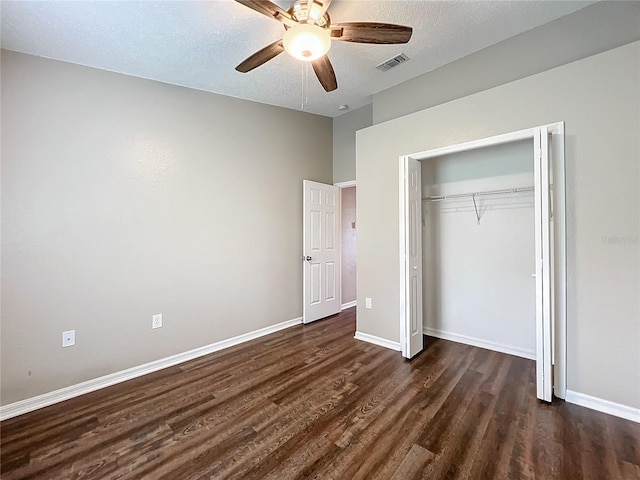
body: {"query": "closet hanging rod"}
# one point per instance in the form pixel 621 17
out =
pixel 437 198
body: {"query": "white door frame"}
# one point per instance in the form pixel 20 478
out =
pixel 557 212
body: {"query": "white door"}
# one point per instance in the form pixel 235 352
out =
pixel 321 251
pixel 412 344
pixel 544 307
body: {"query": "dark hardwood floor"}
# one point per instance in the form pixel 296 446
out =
pixel 311 402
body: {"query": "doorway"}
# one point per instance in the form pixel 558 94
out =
pixel 348 243
pixel 329 249
pixel 548 262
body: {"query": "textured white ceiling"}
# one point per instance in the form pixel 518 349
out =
pixel 197 44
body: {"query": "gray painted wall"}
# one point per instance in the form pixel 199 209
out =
pixel 344 142
pixel 122 198
pixel 599 99
pixel 594 29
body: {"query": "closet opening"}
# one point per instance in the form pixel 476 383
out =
pixel 478 249
pixel 482 244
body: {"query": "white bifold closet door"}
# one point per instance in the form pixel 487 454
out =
pixel 413 263
pixel 544 266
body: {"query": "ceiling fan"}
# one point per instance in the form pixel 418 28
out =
pixel 309 32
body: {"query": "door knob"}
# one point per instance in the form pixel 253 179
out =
pixel 308 258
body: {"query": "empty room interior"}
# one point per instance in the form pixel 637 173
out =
pixel 450 196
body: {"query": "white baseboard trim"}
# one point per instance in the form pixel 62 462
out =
pixel 479 342
pixel 46 399
pixel 344 306
pixel 382 342
pixel 604 406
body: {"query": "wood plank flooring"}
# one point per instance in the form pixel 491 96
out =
pixel 311 402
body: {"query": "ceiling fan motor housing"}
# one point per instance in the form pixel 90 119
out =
pixel 299 12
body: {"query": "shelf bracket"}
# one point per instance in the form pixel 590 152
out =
pixel 475 206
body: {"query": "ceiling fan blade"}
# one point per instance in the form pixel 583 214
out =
pixel 261 56
pixel 269 9
pixel 371 32
pixel 324 72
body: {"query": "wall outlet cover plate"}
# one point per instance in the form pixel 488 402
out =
pixel 68 338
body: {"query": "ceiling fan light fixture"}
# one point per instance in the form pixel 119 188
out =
pixel 307 42
pixel 309 34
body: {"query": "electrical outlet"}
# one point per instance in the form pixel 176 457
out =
pixel 156 322
pixel 69 338
pixel 368 303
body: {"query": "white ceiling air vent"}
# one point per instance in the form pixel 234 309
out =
pixel 392 62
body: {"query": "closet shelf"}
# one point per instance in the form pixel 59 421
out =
pixel 438 198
